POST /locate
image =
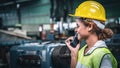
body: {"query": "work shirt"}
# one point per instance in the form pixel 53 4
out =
pixel 106 61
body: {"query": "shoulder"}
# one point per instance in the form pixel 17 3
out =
pixel 101 51
pixel 106 61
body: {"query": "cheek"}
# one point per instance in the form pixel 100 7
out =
pixel 82 31
pixel 79 30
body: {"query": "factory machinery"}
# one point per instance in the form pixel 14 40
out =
pixel 36 55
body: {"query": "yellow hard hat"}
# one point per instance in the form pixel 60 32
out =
pixel 90 9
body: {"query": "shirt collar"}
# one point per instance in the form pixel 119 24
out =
pixel 98 44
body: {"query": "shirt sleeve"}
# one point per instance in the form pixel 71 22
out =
pixel 106 62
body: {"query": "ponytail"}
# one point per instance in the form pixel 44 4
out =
pixel 105 33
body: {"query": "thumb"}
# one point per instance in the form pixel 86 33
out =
pixel 78 46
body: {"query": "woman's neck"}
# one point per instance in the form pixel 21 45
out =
pixel 91 40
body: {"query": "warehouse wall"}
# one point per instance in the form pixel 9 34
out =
pixel 35 12
pixel 8 15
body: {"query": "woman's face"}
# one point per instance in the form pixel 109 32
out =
pixel 81 29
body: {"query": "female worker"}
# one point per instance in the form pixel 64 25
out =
pixel 90 20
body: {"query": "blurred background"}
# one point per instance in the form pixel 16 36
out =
pixel 32 32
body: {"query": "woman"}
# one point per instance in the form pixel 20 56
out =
pixel 90 27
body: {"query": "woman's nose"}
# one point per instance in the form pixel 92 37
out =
pixel 76 30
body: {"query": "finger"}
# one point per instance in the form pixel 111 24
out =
pixel 68 45
pixel 70 38
pixel 67 41
pixel 78 46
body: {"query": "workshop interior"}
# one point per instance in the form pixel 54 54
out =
pixel 33 32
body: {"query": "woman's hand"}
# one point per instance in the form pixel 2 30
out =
pixel 74 52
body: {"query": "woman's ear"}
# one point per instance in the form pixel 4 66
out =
pixel 90 27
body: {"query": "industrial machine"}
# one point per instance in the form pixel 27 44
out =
pixel 44 55
pixel 7 40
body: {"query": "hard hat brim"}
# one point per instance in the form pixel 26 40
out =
pixel 72 15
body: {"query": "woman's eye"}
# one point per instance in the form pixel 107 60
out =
pixel 78 26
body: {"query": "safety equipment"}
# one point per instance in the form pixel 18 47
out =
pixel 90 9
pixel 94 59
